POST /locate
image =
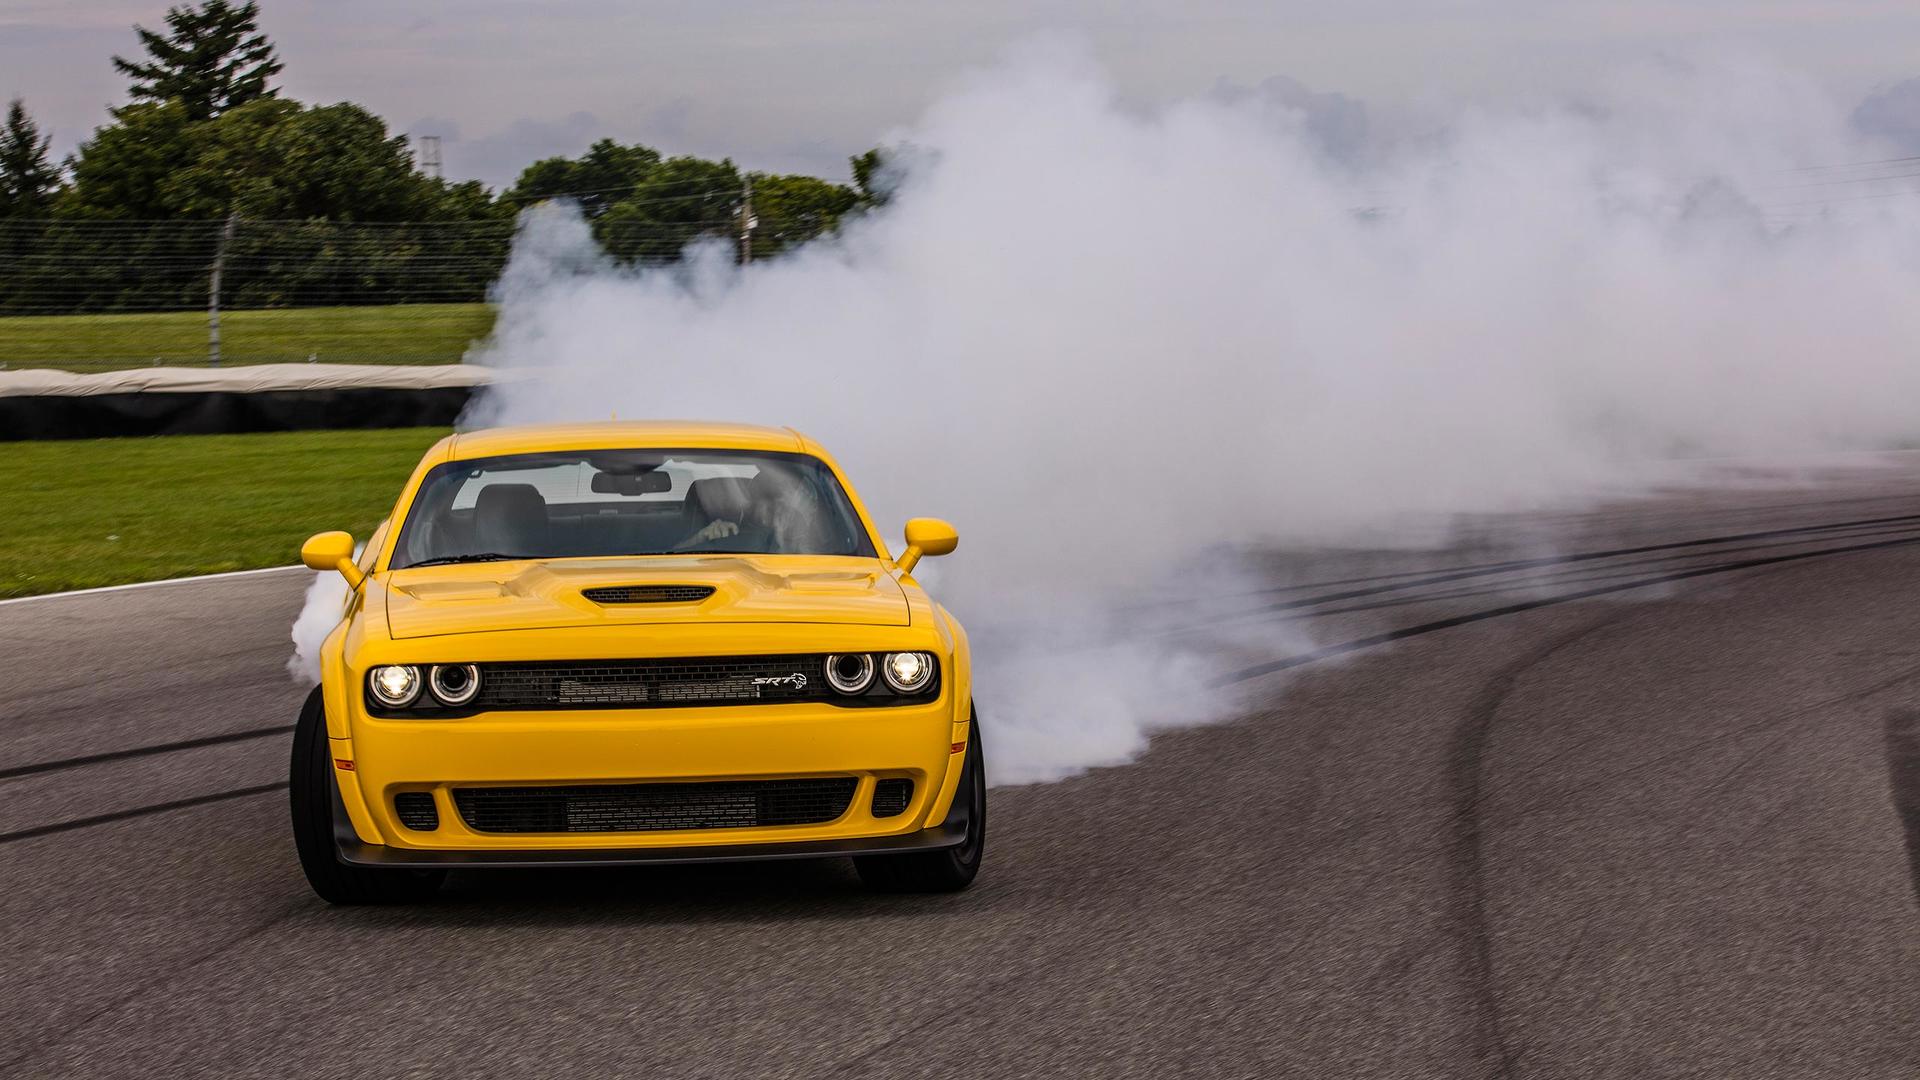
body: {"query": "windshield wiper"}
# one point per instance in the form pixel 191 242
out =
pixel 481 556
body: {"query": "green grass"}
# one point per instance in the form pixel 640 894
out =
pixel 396 334
pixel 109 511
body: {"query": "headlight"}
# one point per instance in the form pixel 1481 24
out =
pixel 395 685
pixel 454 684
pixel 850 673
pixel 909 672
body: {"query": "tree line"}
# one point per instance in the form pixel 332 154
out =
pixel 322 203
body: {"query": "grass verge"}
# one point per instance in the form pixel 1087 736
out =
pixel 396 334
pixel 78 514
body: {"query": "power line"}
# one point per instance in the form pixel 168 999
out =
pixel 1848 180
pixel 1844 198
pixel 1853 164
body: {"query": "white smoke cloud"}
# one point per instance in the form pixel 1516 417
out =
pixel 1893 114
pixel 326 599
pixel 1111 343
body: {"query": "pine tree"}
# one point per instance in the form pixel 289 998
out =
pixel 212 58
pixel 27 178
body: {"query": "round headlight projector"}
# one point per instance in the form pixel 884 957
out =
pixel 908 672
pixel 454 684
pixel 850 673
pixel 395 685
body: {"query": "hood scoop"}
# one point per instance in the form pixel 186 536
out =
pixel 648 594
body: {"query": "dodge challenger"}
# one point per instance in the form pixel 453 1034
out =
pixel 634 643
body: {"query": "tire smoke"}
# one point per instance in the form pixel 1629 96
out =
pixel 326 599
pixel 1114 344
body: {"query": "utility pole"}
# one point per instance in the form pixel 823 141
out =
pixel 748 222
pixel 213 291
pixel 430 155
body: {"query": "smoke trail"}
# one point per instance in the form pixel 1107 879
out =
pixel 326 597
pixel 1112 343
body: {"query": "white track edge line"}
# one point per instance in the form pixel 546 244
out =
pixel 149 584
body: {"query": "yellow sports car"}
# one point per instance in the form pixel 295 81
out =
pixel 634 643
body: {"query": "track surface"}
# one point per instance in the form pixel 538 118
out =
pixel 1629 814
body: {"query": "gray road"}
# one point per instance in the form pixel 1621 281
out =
pixel 1627 814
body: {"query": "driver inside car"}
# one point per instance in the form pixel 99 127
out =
pixel 732 504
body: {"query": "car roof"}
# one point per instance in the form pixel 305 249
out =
pixel 622 434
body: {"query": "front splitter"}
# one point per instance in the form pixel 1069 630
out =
pixel 353 852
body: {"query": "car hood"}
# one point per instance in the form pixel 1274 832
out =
pixel 475 598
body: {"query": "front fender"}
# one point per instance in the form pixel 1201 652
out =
pixel 963 712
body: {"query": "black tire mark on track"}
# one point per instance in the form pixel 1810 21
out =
pixel 182 673
pixel 1466 864
pixel 143 751
pixel 1386 637
pixel 1594 779
pixel 1903 778
pixel 1598 779
pixel 1494 1038
pixel 139 811
pixel 1458 573
pixel 1558 581
pixel 52 1041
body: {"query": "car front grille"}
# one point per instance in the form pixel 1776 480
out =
pixel 716 680
pixel 648 594
pixel 596 808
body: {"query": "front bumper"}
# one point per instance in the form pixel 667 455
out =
pixel 385 758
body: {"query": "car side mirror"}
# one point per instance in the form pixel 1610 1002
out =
pixel 332 551
pixel 926 537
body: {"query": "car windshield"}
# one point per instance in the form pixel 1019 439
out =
pixel 629 502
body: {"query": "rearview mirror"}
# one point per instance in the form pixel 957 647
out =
pixel 926 537
pixel 646 483
pixel 331 551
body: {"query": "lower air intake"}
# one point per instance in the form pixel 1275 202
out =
pixel 725 804
pixel 891 796
pixel 416 810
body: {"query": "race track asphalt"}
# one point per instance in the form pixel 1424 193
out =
pixel 1609 793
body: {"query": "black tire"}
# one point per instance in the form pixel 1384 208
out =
pixel 311 797
pixel 949 869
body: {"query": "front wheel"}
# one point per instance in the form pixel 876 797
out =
pixel 312 797
pixel 949 869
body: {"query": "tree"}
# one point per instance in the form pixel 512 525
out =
pixel 270 159
pixel 597 180
pixel 28 180
pixel 212 59
pixel 122 170
pixel 469 200
pixel 278 160
pixel 681 200
pixel 795 209
pixel 870 171
pixel 647 209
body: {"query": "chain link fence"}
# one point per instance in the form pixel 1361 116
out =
pixel 102 295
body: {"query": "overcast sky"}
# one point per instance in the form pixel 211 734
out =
pixel 797 86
